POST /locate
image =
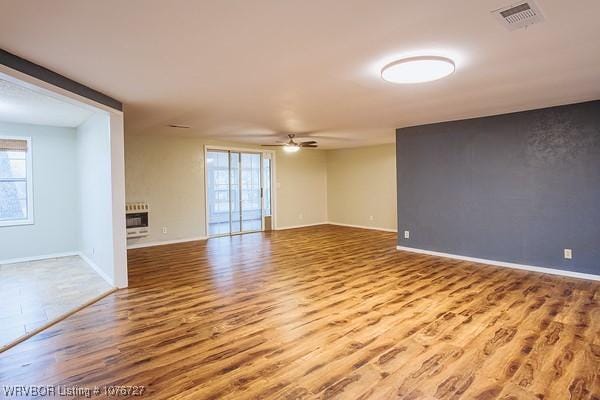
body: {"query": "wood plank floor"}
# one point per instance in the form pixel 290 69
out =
pixel 324 312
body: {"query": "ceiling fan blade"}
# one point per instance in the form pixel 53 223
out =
pixel 308 142
pixel 273 145
pixel 310 146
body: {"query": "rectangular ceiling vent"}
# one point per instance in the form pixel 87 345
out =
pixel 519 15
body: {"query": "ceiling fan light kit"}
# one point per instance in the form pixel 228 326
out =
pixel 292 146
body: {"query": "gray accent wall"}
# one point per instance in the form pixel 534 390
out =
pixel 517 187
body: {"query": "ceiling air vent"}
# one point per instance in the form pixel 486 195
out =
pixel 519 15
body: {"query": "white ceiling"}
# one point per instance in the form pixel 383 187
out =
pixel 240 70
pixel 22 105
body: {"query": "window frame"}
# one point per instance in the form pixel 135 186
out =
pixel 29 183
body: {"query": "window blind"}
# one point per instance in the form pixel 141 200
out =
pixel 13 145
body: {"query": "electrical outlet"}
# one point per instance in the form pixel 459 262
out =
pixel 371 218
pixel 300 216
pixel 568 254
pixel 406 234
pixel 164 230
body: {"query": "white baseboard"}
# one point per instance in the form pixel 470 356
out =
pixel 37 258
pixel 374 228
pixel 96 268
pixel 543 270
pixel 281 228
pixel 161 243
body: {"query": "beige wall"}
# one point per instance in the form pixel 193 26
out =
pixel 312 186
pixel 168 173
pixel 361 183
pixel 301 188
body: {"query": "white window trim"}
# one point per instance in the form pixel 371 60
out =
pixel 29 220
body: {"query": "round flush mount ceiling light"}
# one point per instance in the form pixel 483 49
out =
pixel 418 69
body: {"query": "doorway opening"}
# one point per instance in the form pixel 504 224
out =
pixel 238 191
pixel 60 247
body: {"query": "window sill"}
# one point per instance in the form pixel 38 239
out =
pixel 16 223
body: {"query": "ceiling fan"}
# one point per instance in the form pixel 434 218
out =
pixel 292 146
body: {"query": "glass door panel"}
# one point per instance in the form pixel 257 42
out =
pixel 236 215
pixel 267 187
pixel 251 192
pixel 217 189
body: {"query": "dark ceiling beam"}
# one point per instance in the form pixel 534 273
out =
pixel 56 79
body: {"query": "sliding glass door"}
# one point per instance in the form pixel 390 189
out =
pixel 234 192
